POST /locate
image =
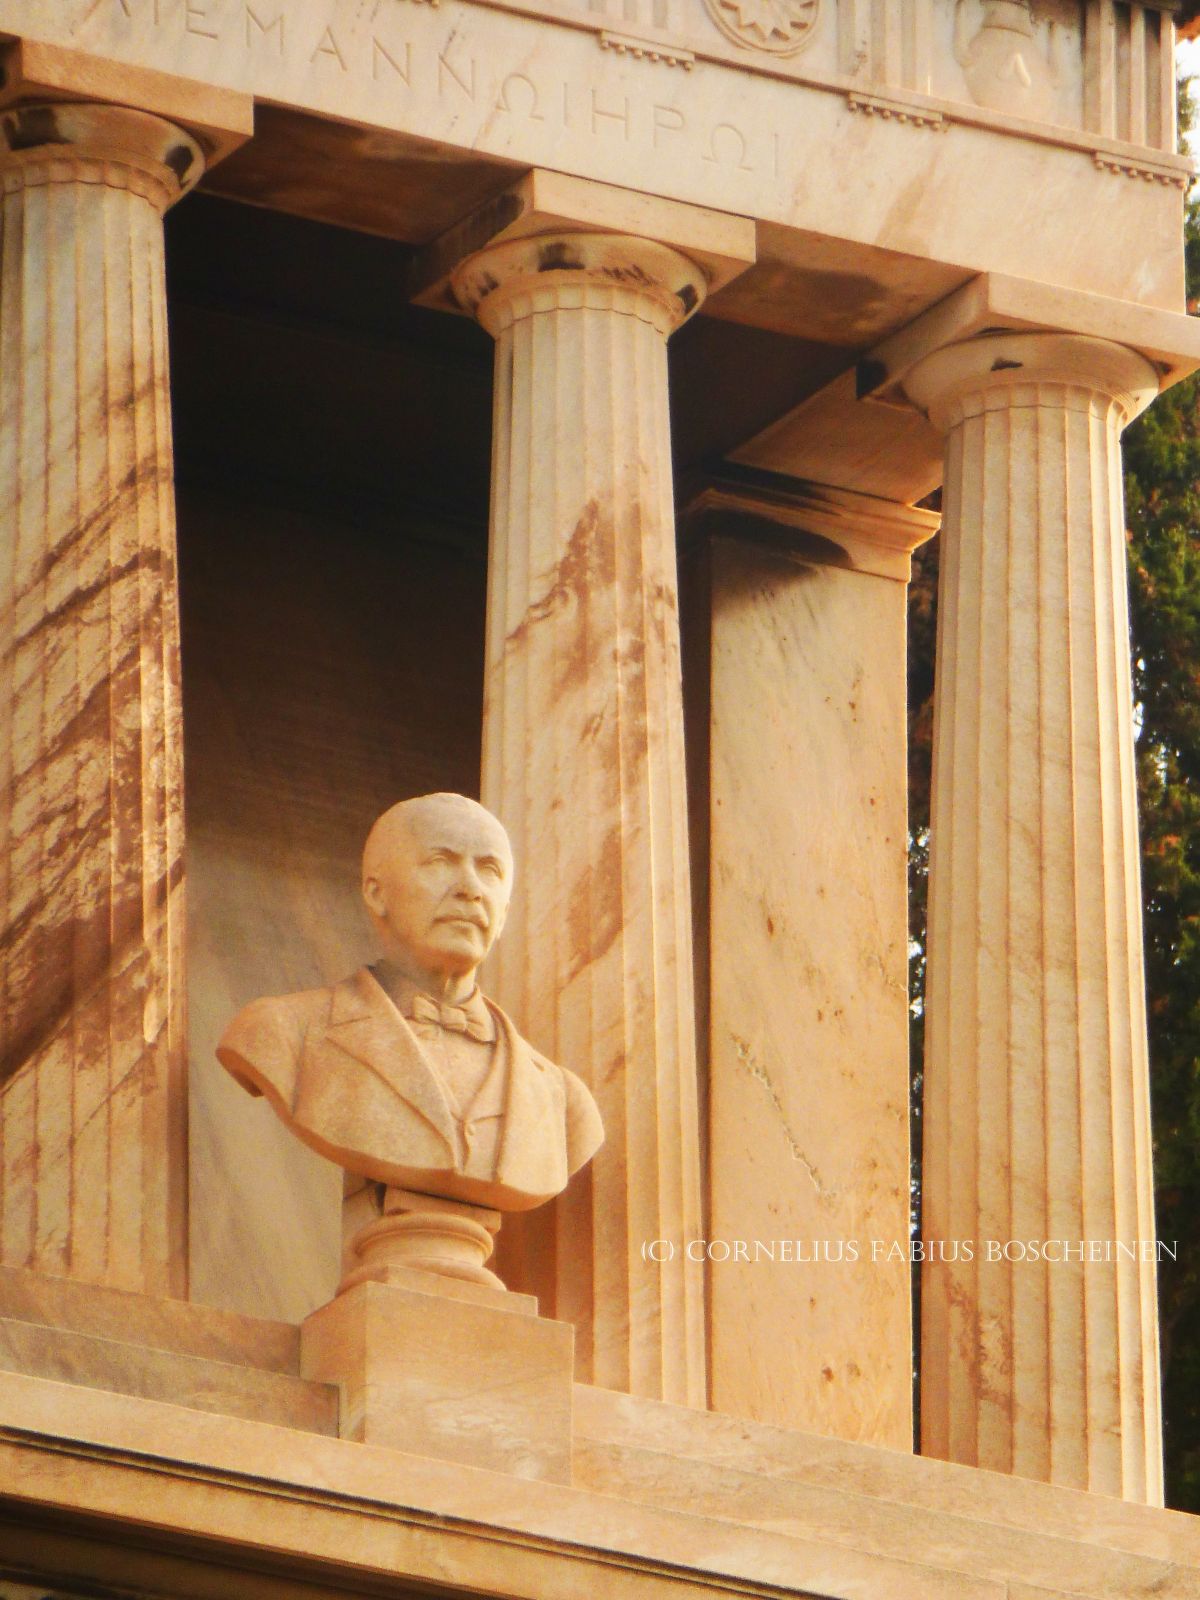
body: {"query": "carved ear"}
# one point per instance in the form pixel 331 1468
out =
pixel 373 895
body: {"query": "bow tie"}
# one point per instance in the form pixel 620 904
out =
pixel 453 1018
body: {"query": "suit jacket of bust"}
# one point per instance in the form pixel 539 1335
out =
pixel 345 1071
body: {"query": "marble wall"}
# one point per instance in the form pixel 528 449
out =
pixel 309 707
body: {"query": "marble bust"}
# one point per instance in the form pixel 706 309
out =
pixel 404 1072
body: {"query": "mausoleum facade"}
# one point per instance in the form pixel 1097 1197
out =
pixel 541 401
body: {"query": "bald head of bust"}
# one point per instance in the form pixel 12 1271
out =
pixel 437 875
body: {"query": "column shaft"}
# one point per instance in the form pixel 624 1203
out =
pixel 1036 1079
pixel 583 761
pixel 92 1134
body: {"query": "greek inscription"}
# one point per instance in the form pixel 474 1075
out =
pixel 725 142
pixel 446 70
pixel 600 115
pixel 195 13
pixel 127 10
pixel 255 22
pixel 384 63
pixel 527 98
pixel 667 120
pixel 328 46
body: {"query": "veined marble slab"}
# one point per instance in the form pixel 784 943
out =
pixel 831 155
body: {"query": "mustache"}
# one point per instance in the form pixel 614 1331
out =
pixel 476 918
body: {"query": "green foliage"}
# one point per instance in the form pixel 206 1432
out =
pixel 1162 459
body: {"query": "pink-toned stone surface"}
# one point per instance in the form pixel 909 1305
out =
pixel 407 1232
pixel 1037 1119
pixel 93 1337
pixel 583 762
pixel 92 1162
pixel 808 1084
pixel 442 1375
pixel 868 141
pixel 122 1367
pixel 149 1321
pixel 675 1503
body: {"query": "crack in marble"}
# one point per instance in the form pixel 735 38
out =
pixel 760 1074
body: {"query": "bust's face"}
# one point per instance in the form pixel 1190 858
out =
pixel 440 891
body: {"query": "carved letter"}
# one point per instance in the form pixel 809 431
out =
pixel 196 12
pixel 614 116
pixel 253 20
pixel 380 55
pixel 445 70
pixel 663 122
pixel 739 147
pixel 505 104
pixel 127 10
pixel 328 46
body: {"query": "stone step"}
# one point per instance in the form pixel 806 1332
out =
pixel 138 1319
pixel 204 1384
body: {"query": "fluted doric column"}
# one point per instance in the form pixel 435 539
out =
pixel 583 761
pixel 1036 1117
pixel 92 1151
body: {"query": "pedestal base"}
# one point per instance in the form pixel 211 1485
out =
pixel 421 1232
pixel 439 1367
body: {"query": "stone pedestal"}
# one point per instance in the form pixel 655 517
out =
pixel 441 1368
pixel 92 1151
pixel 407 1231
pixel 583 762
pixel 1037 1124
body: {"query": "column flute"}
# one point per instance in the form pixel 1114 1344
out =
pixel 1037 1124
pixel 92 1130
pixel 583 761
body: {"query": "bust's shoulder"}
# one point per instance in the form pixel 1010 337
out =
pixel 263 1044
pixel 282 1013
pixel 271 1030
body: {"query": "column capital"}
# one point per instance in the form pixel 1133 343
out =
pixel 67 114
pixel 77 142
pixel 557 271
pixel 822 524
pixel 1003 370
pixel 543 206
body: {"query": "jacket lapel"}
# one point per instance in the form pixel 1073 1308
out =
pixel 532 1153
pixel 366 1025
